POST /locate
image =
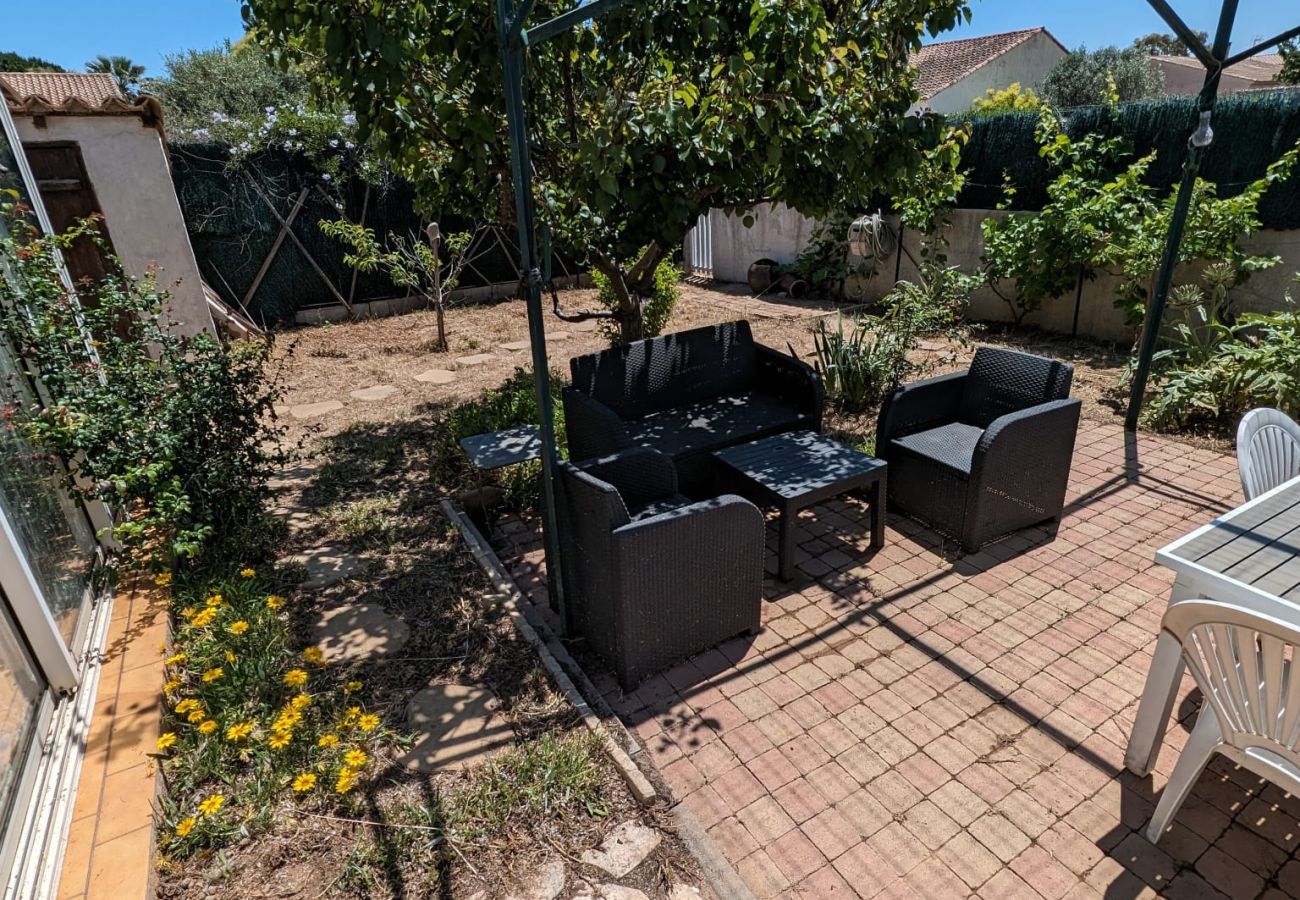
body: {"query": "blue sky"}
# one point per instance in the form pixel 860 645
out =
pixel 146 30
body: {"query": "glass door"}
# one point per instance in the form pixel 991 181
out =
pixel 21 693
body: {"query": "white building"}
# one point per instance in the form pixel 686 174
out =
pixel 94 151
pixel 1184 75
pixel 952 75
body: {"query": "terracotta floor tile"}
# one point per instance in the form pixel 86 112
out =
pixel 121 868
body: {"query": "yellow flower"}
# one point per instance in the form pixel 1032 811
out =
pixel 175 659
pixel 213 803
pixel 239 731
pixel 304 782
pixel 186 705
pixel 355 759
pixel 280 740
pixel 204 618
pixel 208 727
pixel 213 674
pixel 347 781
pixel 368 722
pixel 238 627
pixel 197 716
pixel 162 579
pixel 185 826
pixel 166 740
pixel 327 740
pixel 274 601
pixel 352 687
pixel 215 601
pixel 286 720
pixel 247 573
pixel 188 612
pixel 351 715
pixel 171 687
pixel 295 678
pixel 300 701
pixel 314 656
pixel 230 657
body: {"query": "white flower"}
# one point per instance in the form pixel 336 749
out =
pixel 349 145
pixel 233 151
pixel 349 119
pixel 334 142
pixel 292 132
pixel 218 117
pixel 325 176
pixel 288 145
pixel 270 110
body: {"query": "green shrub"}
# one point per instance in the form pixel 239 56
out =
pixel 173 433
pixel 859 366
pixel 1214 371
pixel 657 309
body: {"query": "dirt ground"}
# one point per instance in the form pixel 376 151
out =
pixel 322 363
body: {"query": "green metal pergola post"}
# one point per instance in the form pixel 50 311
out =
pixel 514 42
pixel 1196 147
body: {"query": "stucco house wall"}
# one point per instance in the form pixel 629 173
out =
pixel 126 161
pixel 1027 63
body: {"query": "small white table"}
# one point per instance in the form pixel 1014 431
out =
pixel 1246 556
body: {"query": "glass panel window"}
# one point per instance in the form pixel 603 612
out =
pixel 52 531
pixel 21 690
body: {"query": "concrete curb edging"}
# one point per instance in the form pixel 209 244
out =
pixel 487 559
pixel 722 878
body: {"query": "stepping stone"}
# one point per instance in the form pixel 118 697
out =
pixel 436 376
pixel 545 884
pixel 476 359
pixel 296 518
pixel 624 849
pixel 587 325
pixel 378 392
pixel 516 346
pixel 294 477
pixel 931 345
pixel 314 410
pixel 326 566
pixel 358 632
pixel 619 892
pixel 558 335
pixel 456 726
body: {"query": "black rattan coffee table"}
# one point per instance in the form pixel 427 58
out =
pixel 796 470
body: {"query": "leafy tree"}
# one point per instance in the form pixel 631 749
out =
pixel 126 73
pixel 16 62
pixel 1290 73
pixel 640 121
pixel 1086 78
pixel 1013 98
pixel 1157 44
pixel 235 83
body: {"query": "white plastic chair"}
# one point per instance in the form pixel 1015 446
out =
pixel 1243 663
pixel 1268 450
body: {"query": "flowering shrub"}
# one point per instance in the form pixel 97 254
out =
pixel 252 721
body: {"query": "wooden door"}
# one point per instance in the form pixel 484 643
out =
pixel 60 174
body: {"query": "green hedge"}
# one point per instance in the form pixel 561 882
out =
pixel 1251 131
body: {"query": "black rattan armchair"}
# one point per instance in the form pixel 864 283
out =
pixel 688 394
pixel 651 578
pixel 981 453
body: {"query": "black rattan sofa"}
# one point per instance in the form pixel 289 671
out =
pixel 981 453
pixel 688 394
pixel 651 578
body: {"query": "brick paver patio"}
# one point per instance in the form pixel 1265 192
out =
pixel 911 723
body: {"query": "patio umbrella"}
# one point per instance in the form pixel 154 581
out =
pixel 1215 59
pixel 515 40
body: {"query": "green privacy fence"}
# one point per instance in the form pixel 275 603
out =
pixel 1251 131
pixel 233 228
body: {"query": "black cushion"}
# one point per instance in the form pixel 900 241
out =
pixel 717 422
pixel 662 505
pixel 951 446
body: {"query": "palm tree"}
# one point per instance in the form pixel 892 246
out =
pixel 126 73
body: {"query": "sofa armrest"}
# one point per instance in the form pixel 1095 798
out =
pixel 918 406
pixel 641 475
pixel 592 428
pixel 790 378
pixel 1021 469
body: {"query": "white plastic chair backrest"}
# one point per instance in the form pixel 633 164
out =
pixel 1242 661
pixel 1268 450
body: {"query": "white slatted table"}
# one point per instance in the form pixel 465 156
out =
pixel 1245 557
